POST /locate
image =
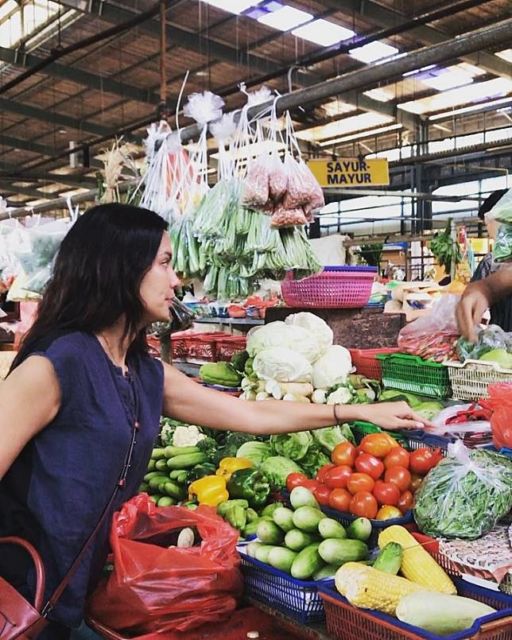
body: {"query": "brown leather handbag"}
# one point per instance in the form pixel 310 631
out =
pixel 19 618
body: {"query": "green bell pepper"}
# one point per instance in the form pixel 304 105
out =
pixel 251 485
pixel 201 470
pixel 234 512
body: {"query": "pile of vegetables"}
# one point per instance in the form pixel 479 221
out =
pixel 303 542
pixel 423 595
pixel 376 480
pixel 492 345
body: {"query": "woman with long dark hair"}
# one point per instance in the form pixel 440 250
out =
pixel 81 381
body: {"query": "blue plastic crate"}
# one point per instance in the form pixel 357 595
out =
pixel 297 599
pixel 418 438
pixel 346 622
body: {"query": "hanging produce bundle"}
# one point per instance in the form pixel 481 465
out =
pixel 228 243
pixel 502 213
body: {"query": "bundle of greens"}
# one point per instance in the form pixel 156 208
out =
pixel 465 494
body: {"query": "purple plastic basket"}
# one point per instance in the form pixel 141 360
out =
pixel 335 287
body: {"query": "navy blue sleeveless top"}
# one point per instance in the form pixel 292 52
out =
pixel 55 491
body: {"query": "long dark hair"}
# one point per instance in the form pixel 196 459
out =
pixel 97 275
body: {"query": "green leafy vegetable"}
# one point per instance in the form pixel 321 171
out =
pixel 329 437
pixel 292 445
pixel 277 469
pixel 256 452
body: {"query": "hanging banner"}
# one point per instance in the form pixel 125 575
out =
pixel 350 172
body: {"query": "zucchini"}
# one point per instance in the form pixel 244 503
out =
pixel 340 551
pixel 296 540
pixel 307 563
pixel 283 517
pixel 269 533
pixel 302 497
pixel 444 615
pixel 281 558
pixel 330 528
pixel 389 559
pixel 307 519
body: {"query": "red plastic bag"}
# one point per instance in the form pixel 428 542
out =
pixel 500 401
pixel 154 588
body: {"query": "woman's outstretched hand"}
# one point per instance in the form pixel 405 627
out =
pixel 393 415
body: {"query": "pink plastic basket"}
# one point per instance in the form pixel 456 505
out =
pixel 340 287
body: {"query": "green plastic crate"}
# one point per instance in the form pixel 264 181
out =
pixel 361 429
pixel 412 373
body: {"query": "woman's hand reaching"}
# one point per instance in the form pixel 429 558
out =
pixel 392 415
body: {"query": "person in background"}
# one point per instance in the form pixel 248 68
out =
pixel 83 381
pixel 501 310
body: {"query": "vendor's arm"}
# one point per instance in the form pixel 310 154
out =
pixel 479 296
pixel 190 402
pixel 29 400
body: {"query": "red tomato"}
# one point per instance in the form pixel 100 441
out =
pixel 406 501
pixel 295 480
pixel 386 493
pixel 320 474
pixel 364 504
pixel 360 482
pixel 398 476
pixel 370 465
pixel 416 481
pixel 337 477
pixel 322 493
pixel 377 444
pixel 340 499
pixel 423 459
pixel 397 457
pixel 344 453
pixel 310 484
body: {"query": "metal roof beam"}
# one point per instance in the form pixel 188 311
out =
pixel 59 119
pixel 8 187
pixel 385 17
pixel 26 145
pixel 85 78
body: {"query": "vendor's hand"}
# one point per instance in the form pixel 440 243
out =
pixel 472 306
pixel 393 415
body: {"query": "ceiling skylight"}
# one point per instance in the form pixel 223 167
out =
pixel 382 95
pixel 347 125
pixel 446 79
pixel 35 14
pixel 285 18
pixel 363 134
pixel 506 54
pixel 323 32
pixel 233 6
pixel 455 97
pixel 373 51
pixel 336 107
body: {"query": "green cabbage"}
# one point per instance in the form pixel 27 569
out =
pixel 329 437
pixel 256 452
pixel 292 445
pixel 277 469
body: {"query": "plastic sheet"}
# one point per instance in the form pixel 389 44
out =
pixel 500 401
pixel 157 589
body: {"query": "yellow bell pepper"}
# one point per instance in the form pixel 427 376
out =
pixel 228 466
pixel 210 490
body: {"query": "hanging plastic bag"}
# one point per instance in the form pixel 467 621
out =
pixel 288 217
pixel 500 402
pixel 465 494
pixel 502 250
pixel 490 338
pixel 159 588
pixel 433 336
pixel 255 192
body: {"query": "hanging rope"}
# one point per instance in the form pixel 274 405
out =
pixel 162 107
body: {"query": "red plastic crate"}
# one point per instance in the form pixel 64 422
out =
pixel 366 362
pixel 227 346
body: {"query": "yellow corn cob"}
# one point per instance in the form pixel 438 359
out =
pixel 417 563
pixel 369 588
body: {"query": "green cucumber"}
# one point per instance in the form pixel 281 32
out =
pixel 281 558
pixel 307 519
pixel 283 517
pixel 252 547
pixel 269 533
pixel 340 551
pixel 330 528
pixel 328 571
pixel 166 501
pixel 389 559
pixel 360 529
pixel 307 563
pixel 143 487
pixel 186 460
pixel 157 453
pixel 270 508
pixel 161 465
pixel 262 552
pixel 296 540
pixel 158 482
pixel 154 474
pixel 172 489
pixel 151 465
pixel 171 452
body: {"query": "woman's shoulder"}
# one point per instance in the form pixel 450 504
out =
pixel 72 343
